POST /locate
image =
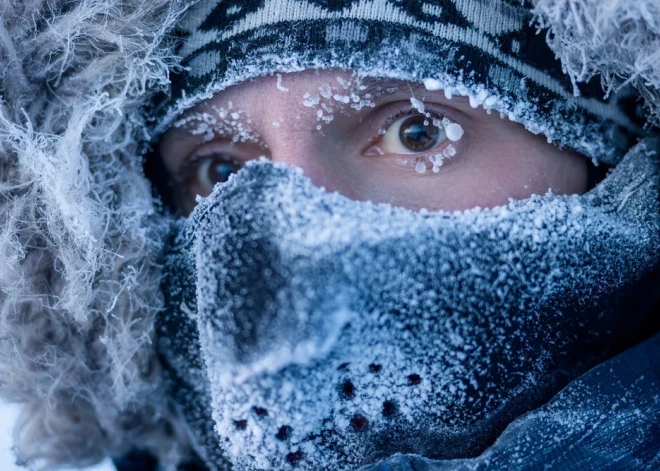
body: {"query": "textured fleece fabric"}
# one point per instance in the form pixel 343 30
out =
pixel 309 330
pixel 79 231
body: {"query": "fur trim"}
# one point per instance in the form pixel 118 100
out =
pixel 78 237
pixel 619 39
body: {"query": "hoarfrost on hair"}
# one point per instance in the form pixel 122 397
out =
pixel 418 105
pixel 219 121
pixel 78 237
pixel 454 131
pixel 281 87
pixel 619 39
pixel 330 99
pixel 420 166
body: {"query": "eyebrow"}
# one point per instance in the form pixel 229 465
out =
pixel 376 86
pixel 380 88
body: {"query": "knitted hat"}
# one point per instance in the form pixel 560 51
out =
pixel 484 49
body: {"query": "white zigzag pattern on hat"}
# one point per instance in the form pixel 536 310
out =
pixel 500 19
pixel 278 11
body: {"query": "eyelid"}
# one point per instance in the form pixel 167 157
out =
pixel 187 180
pixel 439 108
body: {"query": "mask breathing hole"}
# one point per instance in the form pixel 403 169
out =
pixel 294 457
pixel 347 390
pixel 240 424
pixel 389 408
pixel 374 368
pixel 284 432
pixel 359 423
pixel 414 379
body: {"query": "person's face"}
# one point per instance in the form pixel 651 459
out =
pixel 367 139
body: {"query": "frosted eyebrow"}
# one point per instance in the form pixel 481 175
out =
pixel 183 132
pixel 380 88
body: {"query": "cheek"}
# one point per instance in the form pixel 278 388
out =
pixel 538 168
pixel 485 177
pixel 518 172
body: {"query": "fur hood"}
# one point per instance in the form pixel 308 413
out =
pixel 80 231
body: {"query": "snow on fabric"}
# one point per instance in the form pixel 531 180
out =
pixel 78 228
pixel 606 418
pixel 325 332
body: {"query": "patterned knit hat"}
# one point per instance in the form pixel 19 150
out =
pixel 484 49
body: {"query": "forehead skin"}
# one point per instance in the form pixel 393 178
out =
pixel 496 160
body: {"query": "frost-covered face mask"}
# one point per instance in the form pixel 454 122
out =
pixel 307 329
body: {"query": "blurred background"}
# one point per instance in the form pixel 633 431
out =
pixel 8 415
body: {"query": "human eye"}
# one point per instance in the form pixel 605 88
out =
pixel 206 168
pixel 213 169
pixel 413 134
pixel 417 137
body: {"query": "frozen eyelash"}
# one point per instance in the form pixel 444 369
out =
pixel 394 118
pixel 400 114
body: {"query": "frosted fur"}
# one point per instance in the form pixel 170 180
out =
pixel 619 39
pixel 78 232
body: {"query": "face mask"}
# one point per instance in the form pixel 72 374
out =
pixel 307 329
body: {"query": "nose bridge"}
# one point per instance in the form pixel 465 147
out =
pixel 263 296
pixel 291 134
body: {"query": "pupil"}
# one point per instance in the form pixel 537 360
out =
pixel 417 136
pixel 221 172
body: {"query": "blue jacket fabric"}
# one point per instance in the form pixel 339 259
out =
pixel 607 419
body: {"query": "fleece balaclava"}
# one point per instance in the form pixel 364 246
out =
pixel 80 231
pixel 307 329
pixel 304 329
